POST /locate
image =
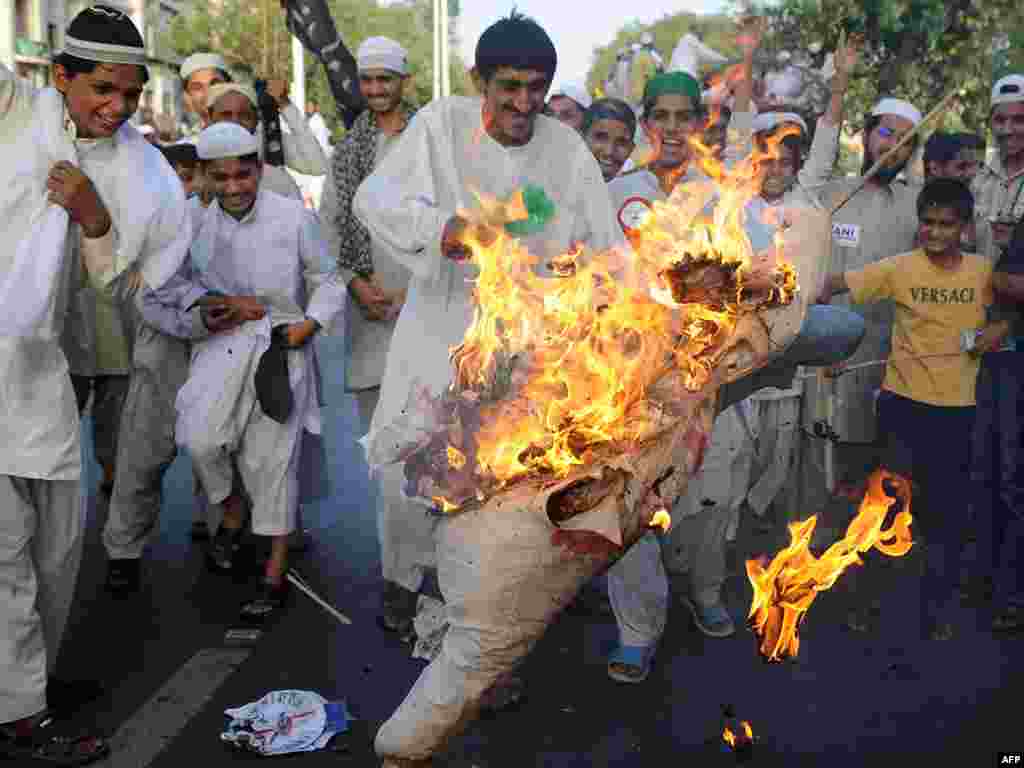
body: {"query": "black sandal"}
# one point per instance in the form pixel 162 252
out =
pixel 267 603
pixel 1010 620
pixel 46 745
pixel 222 549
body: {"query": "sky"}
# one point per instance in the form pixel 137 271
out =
pixel 576 26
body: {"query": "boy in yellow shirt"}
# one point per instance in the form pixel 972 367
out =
pixel 926 408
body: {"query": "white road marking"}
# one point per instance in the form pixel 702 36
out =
pixel 146 734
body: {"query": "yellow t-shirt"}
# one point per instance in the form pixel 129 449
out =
pixel 933 306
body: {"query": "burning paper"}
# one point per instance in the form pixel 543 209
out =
pixel 785 588
pixel 737 741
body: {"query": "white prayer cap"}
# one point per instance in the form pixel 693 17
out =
pixel 222 140
pixel 575 92
pixel 1008 90
pixel 200 61
pixel 220 89
pixel 898 107
pixel 767 121
pixel 382 53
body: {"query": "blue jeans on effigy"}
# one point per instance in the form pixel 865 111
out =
pixel 930 444
pixel 828 336
pixel 997 450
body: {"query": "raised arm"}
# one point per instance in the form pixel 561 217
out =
pixel 817 171
pixel 302 150
pixel 310 21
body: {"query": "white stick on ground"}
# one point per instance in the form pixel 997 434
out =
pixel 301 585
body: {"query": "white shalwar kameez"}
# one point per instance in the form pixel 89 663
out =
pixel 270 253
pixel 637 584
pixel 442 157
pixel 41 503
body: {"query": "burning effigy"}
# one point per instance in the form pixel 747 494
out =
pixel 579 408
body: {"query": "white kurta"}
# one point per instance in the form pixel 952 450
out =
pixel 443 156
pixel 370 340
pixel 38 415
pixel 271 253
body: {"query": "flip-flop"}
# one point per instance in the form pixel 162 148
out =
pixel 630 657
pixel 51 744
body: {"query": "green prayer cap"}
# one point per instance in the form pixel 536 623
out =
pixel 672 82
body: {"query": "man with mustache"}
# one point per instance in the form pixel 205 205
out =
pixel 999 186
pixel 377 285
pixel 454 148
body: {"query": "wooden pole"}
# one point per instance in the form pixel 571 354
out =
pixel 446 79
pixel 437 49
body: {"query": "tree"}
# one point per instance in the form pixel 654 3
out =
pixel 716 31
pixel 252 37
pixel 915 49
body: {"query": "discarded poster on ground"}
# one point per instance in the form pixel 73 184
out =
pixel 284 722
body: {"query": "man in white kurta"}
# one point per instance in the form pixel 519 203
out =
pixel 407 202
pixel 256 244
pixel 494 145
pixel 236 103
pixel 303 153
pixel 111 201
pixel 377 286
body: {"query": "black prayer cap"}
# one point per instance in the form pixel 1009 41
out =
pixel 98 32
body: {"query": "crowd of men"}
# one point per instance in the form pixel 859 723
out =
pixel 181 298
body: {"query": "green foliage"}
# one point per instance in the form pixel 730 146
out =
pixel 251 35
pixel 716 31
pixel 916 49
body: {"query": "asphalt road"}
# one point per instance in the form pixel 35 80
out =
pixel 849 699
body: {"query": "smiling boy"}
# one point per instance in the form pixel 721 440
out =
pixel 928 394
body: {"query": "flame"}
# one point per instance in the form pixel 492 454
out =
pixel 562 365
pixel 730 738
pixel 661 519
pixel 785 588
pixel 444 505
pixel 456 458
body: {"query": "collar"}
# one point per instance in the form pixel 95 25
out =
pixel 996 168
